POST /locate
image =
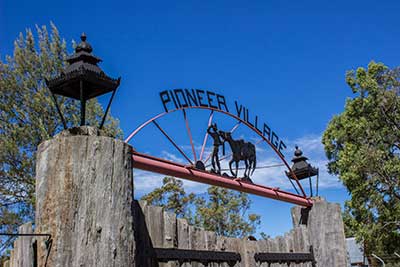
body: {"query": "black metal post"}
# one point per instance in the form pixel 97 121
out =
pixel 309 177
pixel 12 234
pixel 83 104
pixel 58 110
pixel 108 107
pixel 295 188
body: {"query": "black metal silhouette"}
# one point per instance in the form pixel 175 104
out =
pixel 241 150
pixel 217 142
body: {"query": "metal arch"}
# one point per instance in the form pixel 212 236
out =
pixel 228 114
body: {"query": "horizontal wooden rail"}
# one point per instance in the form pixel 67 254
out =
pixel 162 166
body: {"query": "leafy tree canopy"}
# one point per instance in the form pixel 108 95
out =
pixel 221 210
pixel 363 147
pixel 28 117
pixel 172 196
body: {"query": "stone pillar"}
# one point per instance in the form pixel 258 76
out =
pixel 84 199
pixel 325 231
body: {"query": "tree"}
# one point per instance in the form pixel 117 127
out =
pixel 172 196
pixel 223 211
pixel 28 117
pixel 363 148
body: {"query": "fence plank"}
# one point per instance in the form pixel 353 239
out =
pixel 26 249
pixel 155 226
pixel 305 242
pixel 262 246
pixel 14 259
pixel 22 253
pixel 143 241
pixel 170 237
pixel 211 244
pixel 235 245
pixel 197 241
pixel 183 237
pixel 222 246
pixel 11 257
pixel 275 248
pixel 248 250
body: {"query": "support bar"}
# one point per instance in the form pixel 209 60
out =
pixel 153 164
pixel 188 255
pixel 286 257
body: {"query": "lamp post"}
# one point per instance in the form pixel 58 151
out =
pixel 82 80
pixel 302 169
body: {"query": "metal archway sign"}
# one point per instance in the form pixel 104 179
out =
pixel 184 99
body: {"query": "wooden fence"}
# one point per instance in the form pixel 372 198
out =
pixel 155 228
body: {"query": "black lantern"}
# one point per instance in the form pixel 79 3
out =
pixel 302 169
pixel 83 80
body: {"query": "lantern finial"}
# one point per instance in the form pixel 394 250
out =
pixel 82 80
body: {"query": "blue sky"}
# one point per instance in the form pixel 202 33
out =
pixel 285 60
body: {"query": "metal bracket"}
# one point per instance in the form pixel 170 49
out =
pixel 108 106
pixel 48 241
pixel 203 256
pixel 286 257
pixel 58 109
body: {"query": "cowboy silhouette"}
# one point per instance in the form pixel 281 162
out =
pixel 217 142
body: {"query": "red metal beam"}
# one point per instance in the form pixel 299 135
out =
pixel 153 164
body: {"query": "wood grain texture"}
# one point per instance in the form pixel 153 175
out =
pixel 84 199
pixel 325 232
pixel 22 253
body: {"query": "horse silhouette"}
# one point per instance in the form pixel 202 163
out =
pixel 241 150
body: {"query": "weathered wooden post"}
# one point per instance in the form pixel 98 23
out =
pixel 84 199
pixel 84 187
pixel 325 232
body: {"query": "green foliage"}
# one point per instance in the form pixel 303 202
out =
pixel 223 211
pixel 171 196
pixel 28 117
pixel 265 236
pixel 363 146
